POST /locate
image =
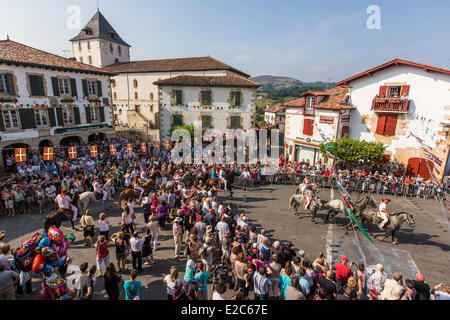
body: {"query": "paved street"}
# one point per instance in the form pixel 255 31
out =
pixel 426 248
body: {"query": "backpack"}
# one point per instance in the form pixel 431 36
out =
pixel 178 292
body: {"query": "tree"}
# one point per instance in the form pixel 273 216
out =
pixel 352 151
pixel 189 128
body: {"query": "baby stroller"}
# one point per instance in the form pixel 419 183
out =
pixel 221 273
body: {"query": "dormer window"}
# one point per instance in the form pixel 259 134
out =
pixel 112 35
pixel 310 101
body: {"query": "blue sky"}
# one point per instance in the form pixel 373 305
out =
pixel 307 40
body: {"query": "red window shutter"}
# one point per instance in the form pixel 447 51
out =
pixel 308 127
pixel 381 124
pixel 405 90
pixel 391 124
pixel 383 90
pixel 425 167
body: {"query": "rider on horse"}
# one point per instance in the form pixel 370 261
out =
pixel 98 189
pixel 63 202
pixel 143 175
pixel 307 191
pixel 382 209
pixel 223 176
pixel 136 186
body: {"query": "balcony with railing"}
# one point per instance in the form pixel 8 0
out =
pixel 395 105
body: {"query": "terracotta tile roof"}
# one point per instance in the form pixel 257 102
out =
pixel 276 108
pixel 313 93
pixel 208 81
pixel 297 103
pixel 390 64
pixel 99 27
pixel 12 52
pixel 167 65
pixel 334 99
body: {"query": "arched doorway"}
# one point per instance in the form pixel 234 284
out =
pixel 96 136
pixel 72 140
pixel 420 166
pixel 8 155
pixel 45 144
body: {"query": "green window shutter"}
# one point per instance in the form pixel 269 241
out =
pixel 2 125
pixel 51 117
pixel 102 114
pixel 206 121
pixel 36 85
pixel 99 89
pixel 76 112
pixel 235 99
pixel 27 118
pixel 85 88
pixel 177 120
pixel 177 97
pixel 59 117
pixel 206 98
pixel 73 86
pixel 55 86
pixel 9 79
pixel 88 114
pixel 235 122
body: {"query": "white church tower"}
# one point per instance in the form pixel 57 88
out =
pixel 99 45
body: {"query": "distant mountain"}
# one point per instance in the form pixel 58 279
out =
pixel 274 83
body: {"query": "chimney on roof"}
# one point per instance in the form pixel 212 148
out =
pixel 7 37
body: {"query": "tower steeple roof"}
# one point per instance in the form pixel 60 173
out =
pixel 99 27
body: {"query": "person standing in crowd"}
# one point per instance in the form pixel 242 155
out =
pixel 133 287
pixel 177 231
pixel 112 281
pixel 293 292
pixel 102 253
pixel 8 279
pixel 442 295
pixel 147 252
pixel 261 284
pixel 422 288
pixel 219 291
pixel 86 283
pixel 136 251
pixel 103 225
pixel 393 288
pixel 342 272
pixel 162 213
pixel 155 229
pixel 127 220
pixel 121 250
pixel 202 277
pixel 87 223
pixel 172 281
pixel 377 280
pixel 326 282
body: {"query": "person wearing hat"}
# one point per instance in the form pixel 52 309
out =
pixel 422 288
pixel 382 208
pixel 343 272
pixel 63 201
pixel 98 189
pixel 377 280
pixel 177 235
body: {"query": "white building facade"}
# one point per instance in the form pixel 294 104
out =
pixel 399 98
pixel 209 102
pixel 313 118
pixel 48 100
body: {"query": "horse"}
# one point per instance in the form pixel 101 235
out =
pixel 314 187
pixel 169 185
pixel 109 186
pixel 188 179
pixel 85 198
pixel 155 174
pixel 149 186
pixel 392 226
pixel 297 200
pixel 128 194
pixel 217 182
pixel 56 218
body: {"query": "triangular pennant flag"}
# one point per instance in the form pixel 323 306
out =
pixel 72 152
pixel 48 154
pixel 20 154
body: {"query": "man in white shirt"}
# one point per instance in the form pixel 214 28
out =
pixel 98 189
pixel 63 201
pixel 393 288
pixel 382 208
pixel 136 251
pixel 222 228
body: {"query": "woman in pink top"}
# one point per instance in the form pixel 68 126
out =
pixel 154 200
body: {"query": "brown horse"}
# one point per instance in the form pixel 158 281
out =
pixel 155 174
pixel 217 182
pixel 128 194
pixel 56 218
pixel 148 186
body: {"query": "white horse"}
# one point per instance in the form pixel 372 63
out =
pixel 298 200
pixel 85 198
pixel 314 187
